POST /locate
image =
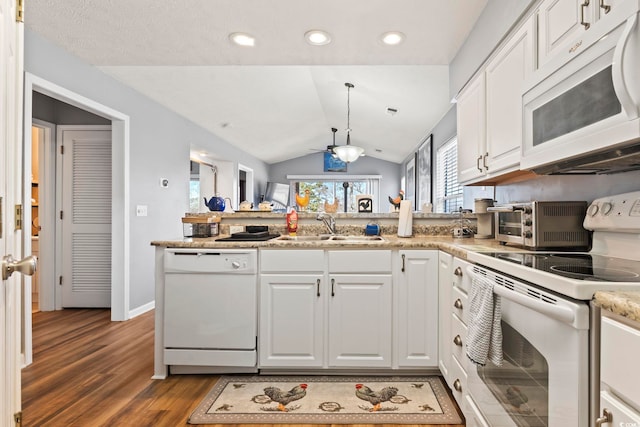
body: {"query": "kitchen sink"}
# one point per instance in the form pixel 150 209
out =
pixel 330 238
pixel 357 238
pixel 305 238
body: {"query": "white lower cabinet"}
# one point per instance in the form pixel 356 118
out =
pixel 619 373
pixel 348 309
pixel 417 308
pixel 360 320
pixel 292 301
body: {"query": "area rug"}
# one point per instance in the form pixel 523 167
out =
pixel 326 400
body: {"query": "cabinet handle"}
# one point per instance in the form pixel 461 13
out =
pixel 458 304
pixel 607 417
pixel 318 287
pixel 478 163
pixel 484 161
pixel 457 385
pixel 604 7
pixel 457 341
pixel 458 272
pixel 402 263
pixel 333 282
pixel 582 21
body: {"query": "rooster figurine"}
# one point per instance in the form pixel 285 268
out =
pixel 331 207
pixel 303 201
pixel 375 397
pixel 396 201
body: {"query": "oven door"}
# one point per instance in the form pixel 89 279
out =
pixel 591 103
pixel 544 378
pixel 508 224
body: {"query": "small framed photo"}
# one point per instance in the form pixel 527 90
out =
pixel 333 164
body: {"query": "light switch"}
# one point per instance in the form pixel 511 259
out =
pixel 141 210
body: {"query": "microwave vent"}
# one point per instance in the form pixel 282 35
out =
pixel 610 161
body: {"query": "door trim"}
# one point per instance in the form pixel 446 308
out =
pixel 120 221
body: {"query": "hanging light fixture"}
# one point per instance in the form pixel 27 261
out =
pixel 348 153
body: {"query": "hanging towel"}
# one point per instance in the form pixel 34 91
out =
pixel 484 338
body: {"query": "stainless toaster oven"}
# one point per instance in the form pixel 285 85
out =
pixel 542 224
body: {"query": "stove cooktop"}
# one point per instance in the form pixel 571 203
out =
pixel 577 275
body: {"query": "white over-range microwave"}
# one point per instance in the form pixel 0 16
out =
pixel 584 117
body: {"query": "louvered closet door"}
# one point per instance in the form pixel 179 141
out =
pixel 86 218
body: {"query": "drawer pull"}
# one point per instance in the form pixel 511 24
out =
pixel 318 287
pixel 403 262
pixel 604 7
pixel 457 341
pixel 478 163
pixel 333 282
pixel 457 385
pixel 458 272
pixel 607 417
pixel 458 304
pixel 582 21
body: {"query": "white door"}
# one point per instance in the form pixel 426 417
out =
pixel 84 165
pixel 11 66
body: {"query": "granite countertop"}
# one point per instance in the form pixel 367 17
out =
pixel 626 304
pixel 455 246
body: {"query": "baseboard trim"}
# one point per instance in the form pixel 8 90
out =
pixel 142 309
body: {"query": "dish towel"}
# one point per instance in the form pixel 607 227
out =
pixel 484 337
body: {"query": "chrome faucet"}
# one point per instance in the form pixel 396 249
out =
pixel 328 221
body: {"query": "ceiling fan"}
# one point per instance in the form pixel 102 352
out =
pixel 330 148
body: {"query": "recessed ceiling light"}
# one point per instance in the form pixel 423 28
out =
pixel 242 39
pixel 317 37
pixel 392 38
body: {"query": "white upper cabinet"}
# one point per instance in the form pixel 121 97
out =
pixel 490 111
pixel 561 22
pixel 505 76
pixel 471 131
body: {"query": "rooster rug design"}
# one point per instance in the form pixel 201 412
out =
pixel 326 400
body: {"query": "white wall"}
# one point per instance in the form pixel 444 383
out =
pixel 160 142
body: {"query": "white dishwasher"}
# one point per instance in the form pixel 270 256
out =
pixel 210 310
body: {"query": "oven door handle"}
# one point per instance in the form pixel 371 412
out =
pixel 563 314
pixel 505 208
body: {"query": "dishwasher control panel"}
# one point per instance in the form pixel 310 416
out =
pixel 231 261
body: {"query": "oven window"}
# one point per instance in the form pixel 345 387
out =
pixel 589 102
pixel 521 384
pixel 509 223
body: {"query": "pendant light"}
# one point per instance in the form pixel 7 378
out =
pixel 348 153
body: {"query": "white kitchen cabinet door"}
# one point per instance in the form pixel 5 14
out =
pixel 418 309
pixel 291 320
pixel 471 112
pixel 444 313
pixel 360 320
pixel 505 75
pixel 559 24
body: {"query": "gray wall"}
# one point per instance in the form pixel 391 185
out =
pixel 313 164
pixel 159 148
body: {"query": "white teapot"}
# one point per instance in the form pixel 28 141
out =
pixel 245 206
pixel 265 206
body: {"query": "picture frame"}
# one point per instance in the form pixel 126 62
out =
pixel 410 180
pixel 424 173
pixel 333 163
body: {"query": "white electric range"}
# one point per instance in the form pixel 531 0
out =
pixel 550 331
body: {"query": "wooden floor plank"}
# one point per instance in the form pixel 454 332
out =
pixel 89 371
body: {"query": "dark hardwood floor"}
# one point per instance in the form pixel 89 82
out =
pixel 89 371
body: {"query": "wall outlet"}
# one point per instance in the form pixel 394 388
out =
pixel 141 210
pixel 236 229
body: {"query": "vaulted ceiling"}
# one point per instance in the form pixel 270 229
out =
pixel 280 98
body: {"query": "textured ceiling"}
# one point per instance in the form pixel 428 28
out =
pixel 279 99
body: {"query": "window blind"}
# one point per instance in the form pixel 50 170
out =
pixel 448 191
